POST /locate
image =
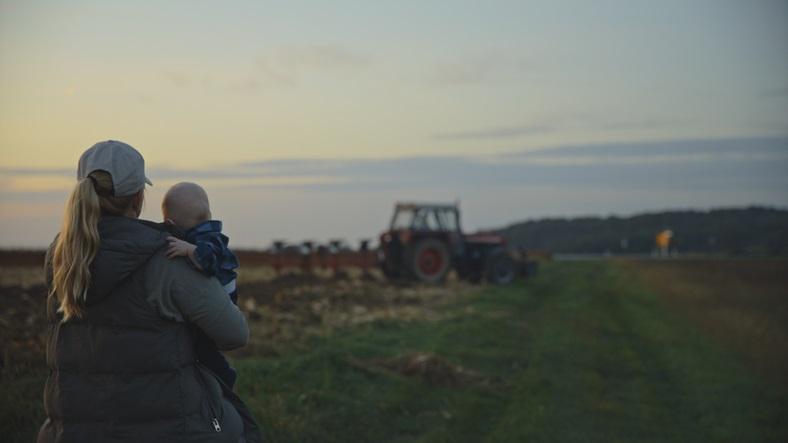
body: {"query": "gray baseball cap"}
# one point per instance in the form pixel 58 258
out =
pixel 122 162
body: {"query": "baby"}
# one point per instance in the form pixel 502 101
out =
pixel 186 207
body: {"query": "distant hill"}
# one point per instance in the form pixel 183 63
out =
pixel 747 231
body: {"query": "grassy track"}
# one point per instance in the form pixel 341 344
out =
pixel 742 304
pixel 584 352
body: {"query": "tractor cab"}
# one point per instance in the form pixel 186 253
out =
pixel 443 218
pixel 425 241
pixel 414 220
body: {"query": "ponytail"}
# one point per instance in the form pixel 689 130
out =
pixel 78 242
pixel 75 248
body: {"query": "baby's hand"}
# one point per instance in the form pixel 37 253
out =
pixel 179 248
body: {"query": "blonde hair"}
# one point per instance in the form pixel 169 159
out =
pixel 78 242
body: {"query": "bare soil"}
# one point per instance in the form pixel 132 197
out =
pixel 282 311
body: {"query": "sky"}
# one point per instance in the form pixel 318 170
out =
pixel 308 120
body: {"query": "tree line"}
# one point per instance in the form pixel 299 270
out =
pixel 738 231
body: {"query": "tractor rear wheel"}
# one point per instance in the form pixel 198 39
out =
pixel 501 269
pixel 429 260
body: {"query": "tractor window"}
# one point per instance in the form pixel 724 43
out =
pixel 402 220
pixel 432 221
pixel 447 220
pixel 420 220
pixel 428 220
pixel 425 221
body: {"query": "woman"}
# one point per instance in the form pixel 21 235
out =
pixel 120 349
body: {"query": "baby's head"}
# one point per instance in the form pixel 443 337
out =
pixel 186 205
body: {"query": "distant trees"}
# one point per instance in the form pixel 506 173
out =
pixel 748 231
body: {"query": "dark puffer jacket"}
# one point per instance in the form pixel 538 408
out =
pixel 126 371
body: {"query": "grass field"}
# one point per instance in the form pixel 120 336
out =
pixel 591 351
pixel 742 304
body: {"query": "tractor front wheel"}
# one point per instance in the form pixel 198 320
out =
pixel 500 269
pixel 430 261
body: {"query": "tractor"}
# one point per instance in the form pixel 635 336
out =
pixel 425 241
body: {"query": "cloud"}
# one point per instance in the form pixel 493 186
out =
pixel 244 86
pixel 322 57
pixel 736 163
pixel 626 125
pixel 144 98
pixel 283 66
pixel 288 64
pixel 352 197
pixel 177 78
pixel 37 171
pixel 743 146
pixel 723 164
pixel 478 69
pixel 563 123
pixel 781 92
pixel 503 132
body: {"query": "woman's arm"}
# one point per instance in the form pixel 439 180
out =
pixel 182 293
